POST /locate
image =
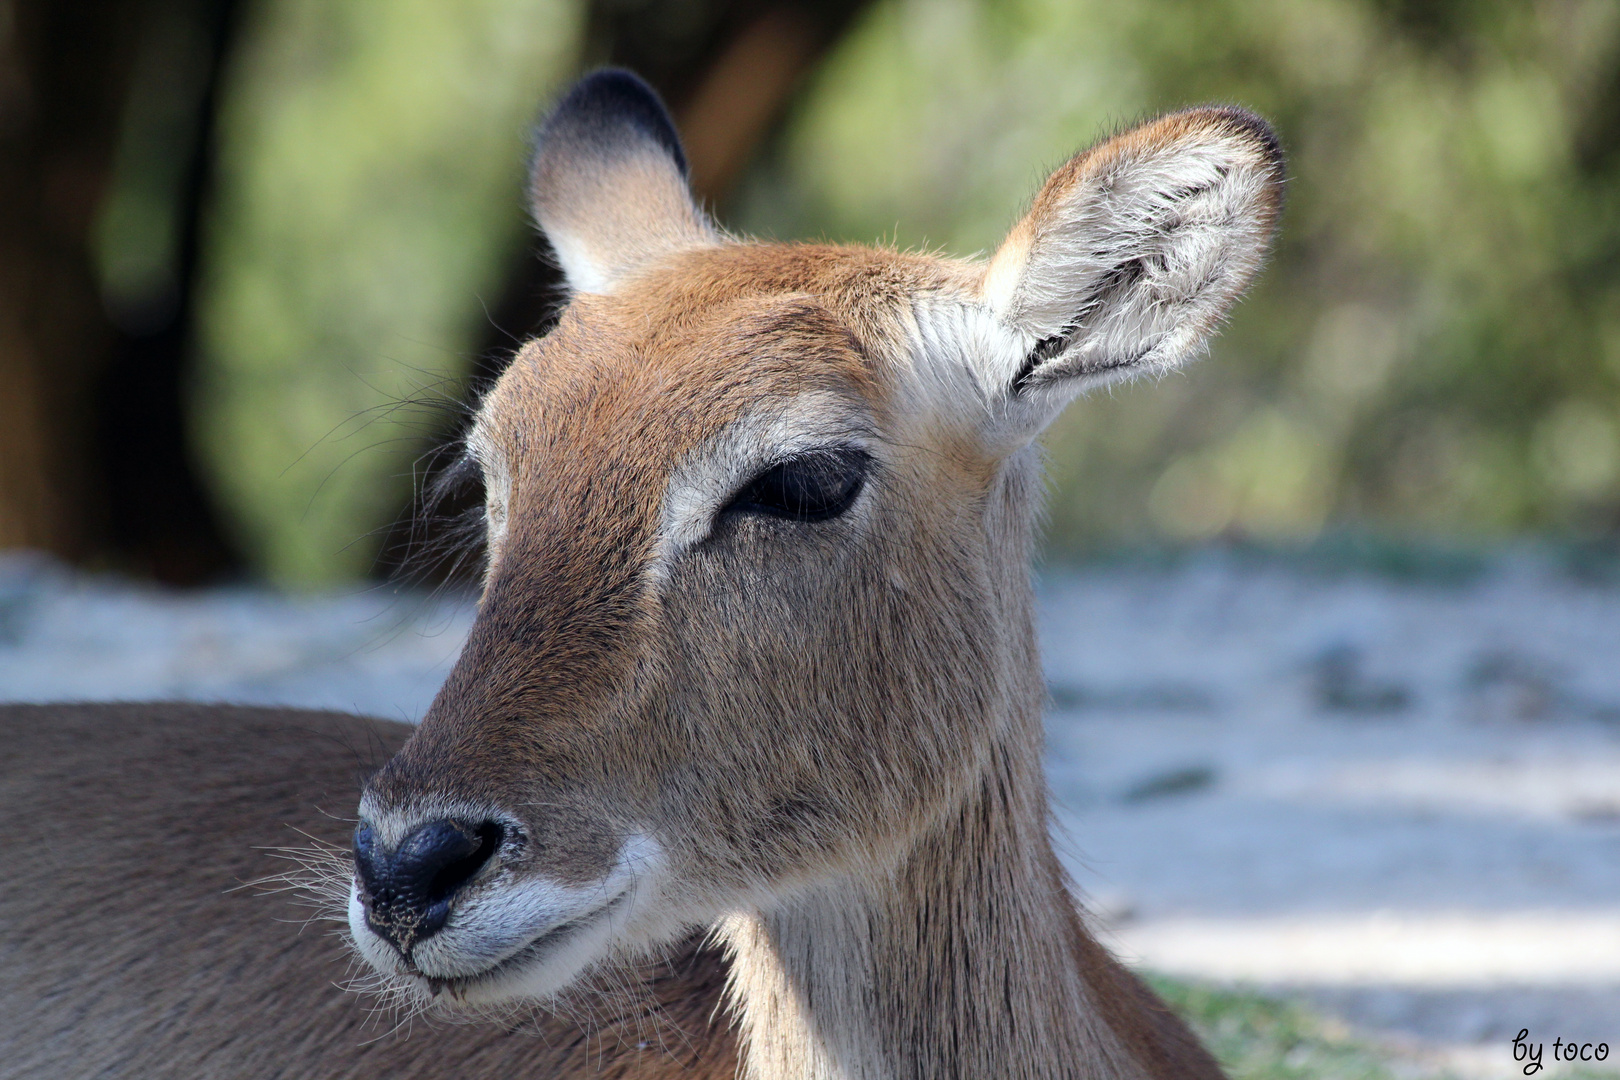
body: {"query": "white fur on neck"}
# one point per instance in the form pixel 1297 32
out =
pixel 964 962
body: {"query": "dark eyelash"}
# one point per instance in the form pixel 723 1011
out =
pixel 813 486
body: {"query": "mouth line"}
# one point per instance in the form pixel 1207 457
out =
pixel 536 948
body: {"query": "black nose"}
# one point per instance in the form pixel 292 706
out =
pixel 407 891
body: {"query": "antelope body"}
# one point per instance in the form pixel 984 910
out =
pixel 745 744
pixel 129 948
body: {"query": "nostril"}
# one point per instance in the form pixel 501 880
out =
pixel 407 892
pixel 485 840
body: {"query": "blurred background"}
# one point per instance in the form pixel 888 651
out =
pixel 254 251
pixel 1330 619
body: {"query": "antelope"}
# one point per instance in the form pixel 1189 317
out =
pixel 739 770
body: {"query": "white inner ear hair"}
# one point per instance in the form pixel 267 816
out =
pixel 1142 259
pixel 963 362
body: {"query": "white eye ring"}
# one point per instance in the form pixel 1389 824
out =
pixel 497 489
pixel 711 476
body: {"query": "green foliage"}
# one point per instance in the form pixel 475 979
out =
pixel 1434 349
pixel 1260 1038
pixel 370 198
pixel 1436 346
pixel 137 235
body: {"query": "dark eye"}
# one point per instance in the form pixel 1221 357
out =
pixel 814 486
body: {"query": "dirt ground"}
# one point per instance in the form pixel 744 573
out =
pixel 1397 797
pixel 1395 793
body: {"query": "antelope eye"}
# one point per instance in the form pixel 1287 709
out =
pixel 812 486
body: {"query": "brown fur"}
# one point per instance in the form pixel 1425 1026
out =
pixel 579 666
pixel 821 740
pixel 129 948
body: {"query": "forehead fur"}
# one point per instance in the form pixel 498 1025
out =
pixel 693 343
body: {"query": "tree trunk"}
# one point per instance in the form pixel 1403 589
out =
pixel 63 69
pixel 94 465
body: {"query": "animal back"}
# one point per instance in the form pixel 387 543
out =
pixel 133 944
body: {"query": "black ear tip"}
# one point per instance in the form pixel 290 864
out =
pixel 607 105
pixel 1257 128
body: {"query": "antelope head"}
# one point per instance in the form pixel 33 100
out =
pixel 757 615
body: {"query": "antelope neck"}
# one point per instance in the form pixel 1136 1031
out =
pixel 969 961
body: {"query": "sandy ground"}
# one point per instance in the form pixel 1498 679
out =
pixel 1401 800
pixel 1398 799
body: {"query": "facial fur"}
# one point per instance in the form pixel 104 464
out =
pixel 677 704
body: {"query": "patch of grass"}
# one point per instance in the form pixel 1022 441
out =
pixel 1261 1038
pixel 1257 1037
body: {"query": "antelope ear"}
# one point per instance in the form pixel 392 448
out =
pixel 608 183
pixel 1130 256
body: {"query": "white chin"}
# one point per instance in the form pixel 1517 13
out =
pixel 545 966
pixel 524 942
